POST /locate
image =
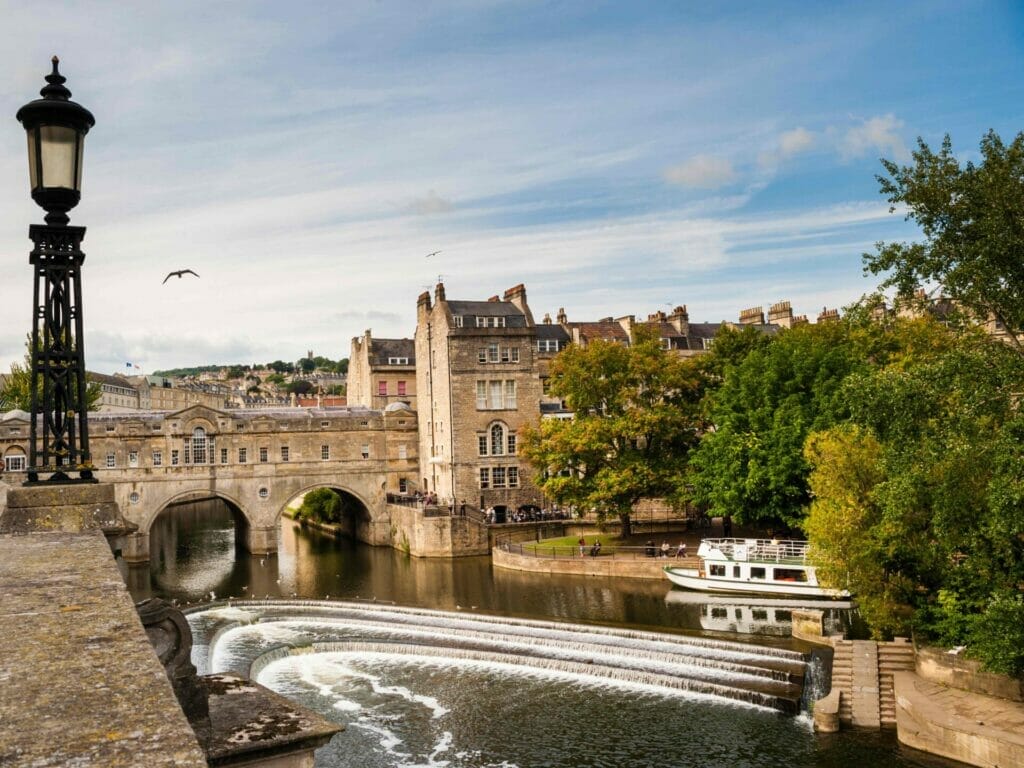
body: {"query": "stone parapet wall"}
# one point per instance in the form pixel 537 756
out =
pixel 441 536
pixel 65 601
pixel 625 568
pixel 940 666
pixel 969 727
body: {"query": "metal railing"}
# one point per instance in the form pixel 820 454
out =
pixel 787 551
pixel 565 551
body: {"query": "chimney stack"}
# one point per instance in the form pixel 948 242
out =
pixel 752 316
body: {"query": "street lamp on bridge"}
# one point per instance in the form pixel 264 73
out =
pixel 56 129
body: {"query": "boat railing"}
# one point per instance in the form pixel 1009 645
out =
pixel 788 551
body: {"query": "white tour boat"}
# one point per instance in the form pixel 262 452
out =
pixel 758 566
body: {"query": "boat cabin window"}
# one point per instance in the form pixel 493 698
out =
pixel 719 613
pixel 759 614
pixel 790 574
pixel 782 617
pixel 735 571
pixel 757 573
pixel 717 570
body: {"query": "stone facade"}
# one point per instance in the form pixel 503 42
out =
pixel 479 384
pixel 256 460
pixel 382 372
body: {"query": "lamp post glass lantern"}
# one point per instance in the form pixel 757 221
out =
pixel 56 127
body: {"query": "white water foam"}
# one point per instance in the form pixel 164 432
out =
pixel 230 613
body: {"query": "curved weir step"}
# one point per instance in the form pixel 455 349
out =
pixel 759 676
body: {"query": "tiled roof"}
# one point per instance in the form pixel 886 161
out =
pixel 602 329
pixel 545 331
pixel 382 350
pixel 484 308
pixel 112 381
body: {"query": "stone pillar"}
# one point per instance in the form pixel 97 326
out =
pixel 136 548
pixel 261 541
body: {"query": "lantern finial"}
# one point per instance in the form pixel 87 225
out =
pixel 54 89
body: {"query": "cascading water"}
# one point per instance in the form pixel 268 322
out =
pixel 388 672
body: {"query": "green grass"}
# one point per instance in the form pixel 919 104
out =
pixel 606 539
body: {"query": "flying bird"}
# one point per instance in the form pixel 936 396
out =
pixel 179 274
pixel 433 253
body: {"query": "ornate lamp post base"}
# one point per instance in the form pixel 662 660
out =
pixel 58 360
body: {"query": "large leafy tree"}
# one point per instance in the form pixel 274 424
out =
pixel 16 391
pixel 920 502
pixel 772 393
pixel 972 219
pixel 635 420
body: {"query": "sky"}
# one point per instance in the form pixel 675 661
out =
pixel 615 157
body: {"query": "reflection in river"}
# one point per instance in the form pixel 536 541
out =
pixel 435 712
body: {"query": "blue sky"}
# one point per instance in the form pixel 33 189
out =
pixel 614 157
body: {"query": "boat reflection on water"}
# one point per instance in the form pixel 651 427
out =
pixel 772 617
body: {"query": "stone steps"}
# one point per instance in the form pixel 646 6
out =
pixel 862 670
pixel 892 658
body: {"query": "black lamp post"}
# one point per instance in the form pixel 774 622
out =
pixel 56 128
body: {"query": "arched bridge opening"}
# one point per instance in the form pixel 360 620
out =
pixel 335 509
pixel 194 540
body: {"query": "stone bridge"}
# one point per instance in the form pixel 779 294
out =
pixel 256 460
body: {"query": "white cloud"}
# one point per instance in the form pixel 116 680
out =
pixel 788 144
pixel 795 141
pixel 702 172
pixel 878 134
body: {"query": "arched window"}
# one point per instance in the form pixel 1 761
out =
pixel 198 445
pixel 497 440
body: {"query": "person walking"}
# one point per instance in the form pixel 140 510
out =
pixel 583 544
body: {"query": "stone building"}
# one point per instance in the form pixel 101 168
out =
pixel 479 384
pixel 382 372
pixel 117 394
pixel 239 440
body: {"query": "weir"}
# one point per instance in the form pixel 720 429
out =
pixel 661 663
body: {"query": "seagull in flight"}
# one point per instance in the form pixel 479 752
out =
pixel 432 253
pixel 179 274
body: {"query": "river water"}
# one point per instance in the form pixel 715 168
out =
pixel 474 666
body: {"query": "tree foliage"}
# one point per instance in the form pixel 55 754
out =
pixel 16 392
pixel 973 226
pixel 771 394
pixel 322 505
pixel 301 387
pixel 921 497
pixel 635 421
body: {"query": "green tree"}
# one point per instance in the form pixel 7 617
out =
pixel 973 230
pixel 771 395
pixel 235 372
pixel 279 366
pixel 300 387
pixel 276 379
pixel 322 505
pixel 635 420
pixel 16 392
pixel 307 365
pixel 929 482
pixel 841 525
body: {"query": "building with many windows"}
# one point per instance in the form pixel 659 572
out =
pixel 382 372
pixel 479 384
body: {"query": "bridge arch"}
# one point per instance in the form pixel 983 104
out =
pixel 192 494
pixel 358 515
